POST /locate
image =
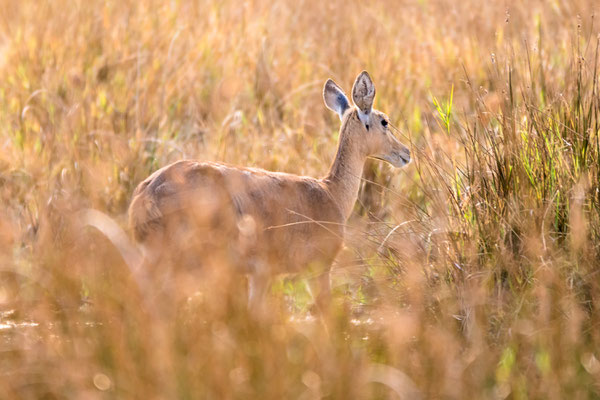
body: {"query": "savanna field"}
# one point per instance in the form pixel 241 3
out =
pixel 472 273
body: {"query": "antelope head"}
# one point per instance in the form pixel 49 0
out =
pixel 372 128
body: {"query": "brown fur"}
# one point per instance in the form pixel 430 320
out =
pixel 276 221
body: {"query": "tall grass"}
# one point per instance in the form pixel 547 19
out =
pixel 473 273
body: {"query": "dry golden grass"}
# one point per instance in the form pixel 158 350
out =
pixel 473 273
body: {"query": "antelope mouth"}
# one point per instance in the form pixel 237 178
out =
pixel 397 160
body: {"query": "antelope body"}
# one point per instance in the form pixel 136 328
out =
pixel 270 222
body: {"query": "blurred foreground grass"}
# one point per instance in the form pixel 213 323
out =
pixel 473 273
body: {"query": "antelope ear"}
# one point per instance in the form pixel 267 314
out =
pixel 334 97
pixel 363 93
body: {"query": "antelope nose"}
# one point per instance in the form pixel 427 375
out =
pixel 406 156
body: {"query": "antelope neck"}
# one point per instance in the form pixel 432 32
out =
pixel 343 179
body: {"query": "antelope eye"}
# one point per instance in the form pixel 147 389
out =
pixel 384 122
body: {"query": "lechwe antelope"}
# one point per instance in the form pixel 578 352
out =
pixel 268 223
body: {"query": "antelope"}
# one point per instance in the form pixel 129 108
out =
pixel 269 222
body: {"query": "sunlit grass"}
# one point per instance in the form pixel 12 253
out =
pixel 473 273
